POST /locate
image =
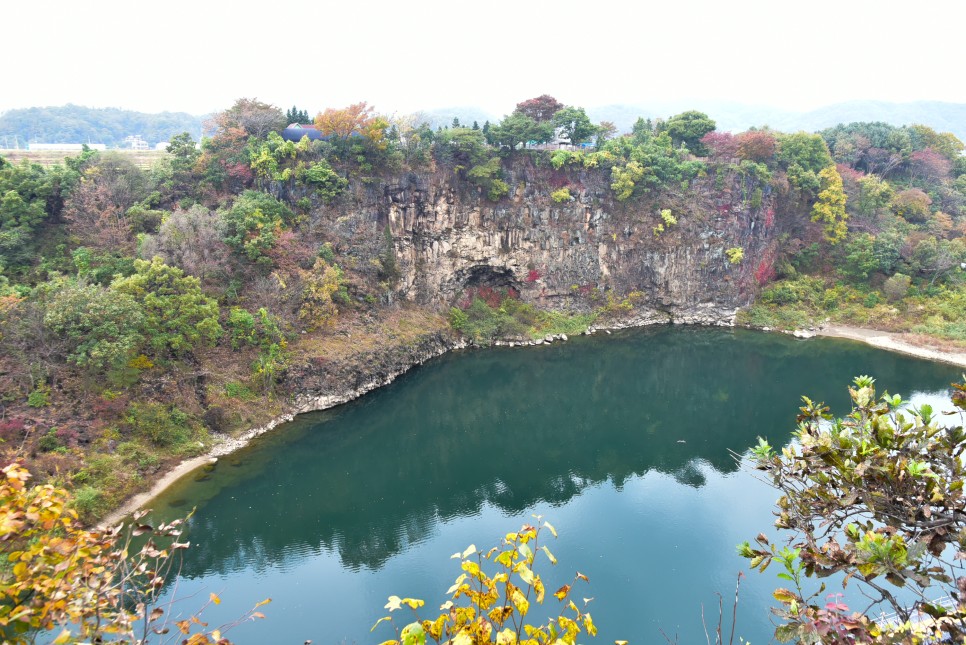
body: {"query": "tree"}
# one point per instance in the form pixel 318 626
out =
pixel 86 585
pixel 358 119
pixel 102 329
pixel 296 115
pixel 517 129
pixel 756 145
pixel 494 608
pixel 944 143
pixel 830 207
pixel 574 125
pixel 723 146
pixel 606 130
pixel 540 109
pixel 876 496
pixel 936 258
pixel 193 240
pixel 254 223
pixel 860 259
pixel 688 128
pixel 97 210
pixel 874 196
pixel 177 315
pixel 256 118
pixel 808 151
pixel 25 192
pixel 912 205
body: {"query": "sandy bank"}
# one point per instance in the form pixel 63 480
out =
pixel 893 342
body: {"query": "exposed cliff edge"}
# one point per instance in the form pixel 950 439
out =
pixel 558 254
pixel 446 238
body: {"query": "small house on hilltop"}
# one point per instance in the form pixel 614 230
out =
pixel 295 132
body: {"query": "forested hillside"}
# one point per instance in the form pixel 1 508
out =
pixel 77 124
pixel 144 312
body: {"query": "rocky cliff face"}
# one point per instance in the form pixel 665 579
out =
pixel 570 255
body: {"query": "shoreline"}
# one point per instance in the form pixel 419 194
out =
pixel 891 341
pixel 888 341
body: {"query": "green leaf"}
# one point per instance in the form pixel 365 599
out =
pixel 413 634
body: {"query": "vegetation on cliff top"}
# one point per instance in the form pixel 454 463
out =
pixel 143 310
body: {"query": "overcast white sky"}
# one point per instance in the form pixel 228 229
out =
pixel 199 56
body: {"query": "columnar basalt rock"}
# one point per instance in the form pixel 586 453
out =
pixel 571 255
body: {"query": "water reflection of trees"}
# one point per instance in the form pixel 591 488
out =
pixel 514 428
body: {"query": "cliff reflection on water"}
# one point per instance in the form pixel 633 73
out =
pixel 512 428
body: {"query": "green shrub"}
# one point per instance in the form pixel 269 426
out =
pixel 39 398
pixel 49 441
pixel 162 425
pixel 237 390
pixel 89 502
pixel 560 196
pixel 896 287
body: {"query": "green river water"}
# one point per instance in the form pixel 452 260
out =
pixel 621 441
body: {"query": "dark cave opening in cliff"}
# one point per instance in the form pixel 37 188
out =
pixel 488 276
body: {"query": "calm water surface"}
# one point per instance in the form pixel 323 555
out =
pixel 621 441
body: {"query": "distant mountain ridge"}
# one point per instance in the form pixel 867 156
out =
pixel 78 124
pixel 737 117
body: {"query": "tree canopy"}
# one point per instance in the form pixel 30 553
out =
pixel 877 497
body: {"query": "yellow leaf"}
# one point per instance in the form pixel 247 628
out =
pixel 463 638
pixel 506 637
pixel 784 595
pixel 562 592
pixel 215 599
pixel 525 574
pixel 384 618
pixel 520 602
pixel 550 528
pixel 470 550
pixel 63 637
pixel 394 603
pixel 550 557
pixel 413 603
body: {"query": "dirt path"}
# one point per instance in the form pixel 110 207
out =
pixel 893 342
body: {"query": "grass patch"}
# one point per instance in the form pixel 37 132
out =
pixel 491 315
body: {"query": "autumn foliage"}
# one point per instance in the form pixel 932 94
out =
pixel 85 585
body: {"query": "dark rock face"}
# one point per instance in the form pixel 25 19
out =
pixel 570 255
pixel 319 386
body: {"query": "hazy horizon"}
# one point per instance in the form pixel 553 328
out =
pixel 198 58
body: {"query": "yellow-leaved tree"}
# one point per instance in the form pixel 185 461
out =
pixel 493 608
pixel 830 207
pixel 85 585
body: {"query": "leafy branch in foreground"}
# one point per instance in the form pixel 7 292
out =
pixel 87 585
pixel 877 497
pixel 493 609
